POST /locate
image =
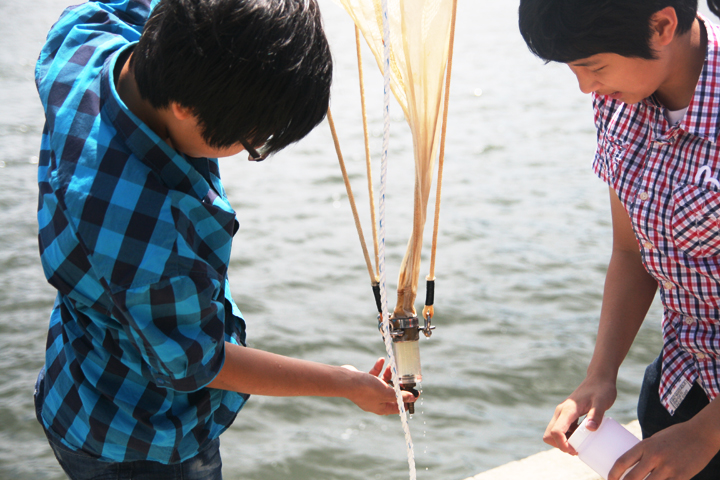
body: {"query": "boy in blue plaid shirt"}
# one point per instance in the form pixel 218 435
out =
pixel 146 363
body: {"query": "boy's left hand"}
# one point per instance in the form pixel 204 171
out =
pixel 678 453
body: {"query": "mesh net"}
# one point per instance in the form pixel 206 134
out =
pixel 419 39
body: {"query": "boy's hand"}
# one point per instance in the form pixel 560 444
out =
pixel 592 398
pixel 679 453
pixel 374 393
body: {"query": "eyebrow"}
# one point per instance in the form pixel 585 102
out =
pixel 588 63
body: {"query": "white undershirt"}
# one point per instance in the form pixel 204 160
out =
pixel 674 116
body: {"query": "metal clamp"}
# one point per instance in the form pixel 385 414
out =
pixel 404 329
pixel 428 328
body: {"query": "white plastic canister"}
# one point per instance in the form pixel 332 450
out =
pixel 601 448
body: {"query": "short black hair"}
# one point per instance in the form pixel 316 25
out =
pixel 250 70
pixel 569 30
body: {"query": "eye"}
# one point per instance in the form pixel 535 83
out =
pixel 597 70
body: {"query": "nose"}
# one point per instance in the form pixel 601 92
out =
pixel 586 81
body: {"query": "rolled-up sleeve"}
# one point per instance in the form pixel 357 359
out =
pixel 178 327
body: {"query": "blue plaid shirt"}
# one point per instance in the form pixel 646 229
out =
pixel 136 239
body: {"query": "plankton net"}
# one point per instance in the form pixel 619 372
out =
pixel 412 41
pixel 420 38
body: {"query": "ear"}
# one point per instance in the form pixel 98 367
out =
pixel 664 24
pixel 180 112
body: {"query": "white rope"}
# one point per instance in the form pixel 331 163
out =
pixel 381 252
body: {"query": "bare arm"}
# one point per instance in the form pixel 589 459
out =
pixel 258 372
pixel 628 294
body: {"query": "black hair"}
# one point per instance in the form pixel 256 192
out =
pixel 714 6
pixel 249 70
pixel 569 30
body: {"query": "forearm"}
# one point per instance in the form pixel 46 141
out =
pixel 628 294
pixel 707 424
pixel 258 372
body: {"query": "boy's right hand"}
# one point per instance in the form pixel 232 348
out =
pixel 593 398
pixel 374 393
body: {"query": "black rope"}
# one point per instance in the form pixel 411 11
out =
pixel 378 301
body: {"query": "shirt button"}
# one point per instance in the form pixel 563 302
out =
pixel 648 245
pixel 689 320
pixel 668 285
pixel 644 196
pixel 700 356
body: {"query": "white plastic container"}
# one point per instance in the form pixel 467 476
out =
pixel 601 448
pixel 407 356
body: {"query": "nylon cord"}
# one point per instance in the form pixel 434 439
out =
pixel 381 242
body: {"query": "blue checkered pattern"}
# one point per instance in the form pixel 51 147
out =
pixel 136 239
pixel 668 179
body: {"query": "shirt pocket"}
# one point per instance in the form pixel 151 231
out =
pixel 695 226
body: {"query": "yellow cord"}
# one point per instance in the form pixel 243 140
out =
pixel 429 310
pixel 351 197
pixel 368 163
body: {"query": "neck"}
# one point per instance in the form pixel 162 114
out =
pixel 685 63
pixel 128 90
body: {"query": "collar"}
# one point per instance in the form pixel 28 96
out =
pixel 175 171
pixel 703 116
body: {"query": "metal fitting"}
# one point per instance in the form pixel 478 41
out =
pixel 405 329
pixel 428 328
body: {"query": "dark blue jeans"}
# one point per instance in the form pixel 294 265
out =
pixel 653 417
pixel 206 465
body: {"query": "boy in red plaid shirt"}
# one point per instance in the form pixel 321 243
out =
pixel 652 69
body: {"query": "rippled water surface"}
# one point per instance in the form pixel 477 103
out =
pixel 523 247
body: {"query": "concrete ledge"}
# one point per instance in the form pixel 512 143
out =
pixel 548 465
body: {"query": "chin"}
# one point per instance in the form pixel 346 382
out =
pixel 193 154
pixel 632 100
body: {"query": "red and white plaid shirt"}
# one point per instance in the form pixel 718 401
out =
pixel 668 179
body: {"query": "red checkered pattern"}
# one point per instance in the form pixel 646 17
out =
pixel 668 178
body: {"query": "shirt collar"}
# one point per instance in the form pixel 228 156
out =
pixel 703 114
pixel 173 169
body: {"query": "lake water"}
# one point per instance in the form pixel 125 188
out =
pixel 523 247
